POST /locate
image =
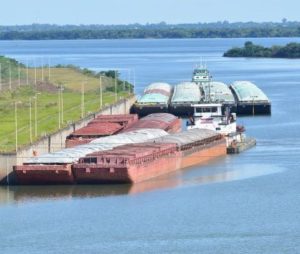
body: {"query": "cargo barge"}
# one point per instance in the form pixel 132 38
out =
pixel 55 168
pixel 154 100
pixel 139 162
pixel 219 92
pixel 101 126
pixel 163 121
pixel 185 94
pixel 250 99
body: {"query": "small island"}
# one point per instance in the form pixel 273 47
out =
pixel 291 50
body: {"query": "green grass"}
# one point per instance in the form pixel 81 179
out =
pixel 48 102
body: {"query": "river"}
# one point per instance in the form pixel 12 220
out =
pixel 247 203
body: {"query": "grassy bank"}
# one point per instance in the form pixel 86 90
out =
pixel 49 100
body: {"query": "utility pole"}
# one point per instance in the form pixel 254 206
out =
pixel 35 73
pixel 35 116
pixel 9 76
pixel 62 104
pixel 133 81
pixel 100 93
pixel 30 121
pixel 19 74
pixel 124 87
pixel 27 81
pixel 129 80
pixel 49 70
pixel 116 90
pixel 42 69
pixel 82 100
pixel 59 107
pixel 0 76
pixel 16 126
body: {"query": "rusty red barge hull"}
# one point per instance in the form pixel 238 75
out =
pixel 44 174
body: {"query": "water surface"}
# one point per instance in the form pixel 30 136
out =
pixel 247 203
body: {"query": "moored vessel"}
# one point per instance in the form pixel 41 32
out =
pixel 185 94
pixel 55 168
pixel 139 162
pixel 163 121
pixel 201 75
pixel 251 100
pixel 218 92
pixel 210 117
pixel 155 99
pixel 101 126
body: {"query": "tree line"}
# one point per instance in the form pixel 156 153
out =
pixel 291 50
pixel 160 30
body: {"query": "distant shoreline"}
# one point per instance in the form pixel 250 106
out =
pixel 151 31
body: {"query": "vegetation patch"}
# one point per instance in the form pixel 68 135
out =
pixel 35 102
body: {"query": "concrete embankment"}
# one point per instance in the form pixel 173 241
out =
pixel 55 141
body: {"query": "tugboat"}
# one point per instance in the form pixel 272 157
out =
pixel 201 75
pixel 209 116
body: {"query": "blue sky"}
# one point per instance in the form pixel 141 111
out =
pixel 143 11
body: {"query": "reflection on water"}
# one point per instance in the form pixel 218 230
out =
pixel 248 171
pixel 193 176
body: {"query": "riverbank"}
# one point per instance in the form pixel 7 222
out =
pixel 38 101
pixel 55 141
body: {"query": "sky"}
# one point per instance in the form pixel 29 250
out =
pixel 18 12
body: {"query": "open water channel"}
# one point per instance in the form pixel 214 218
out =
pixel 247 203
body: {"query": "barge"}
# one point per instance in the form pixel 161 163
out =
pixel 163 121
pixel 154 100
pixel 219 92
pixel 101 126
pixel 251 100
pixel 55 168
pixel 185 94
pixel 134 163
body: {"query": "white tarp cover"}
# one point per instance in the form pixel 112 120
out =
pixel 159 85
pixel 70 155
pixel 186 92
pixel 247 91
pixel 187 137
pixel 219 92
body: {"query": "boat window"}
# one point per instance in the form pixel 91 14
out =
pixel 207 110
pixel 90 160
